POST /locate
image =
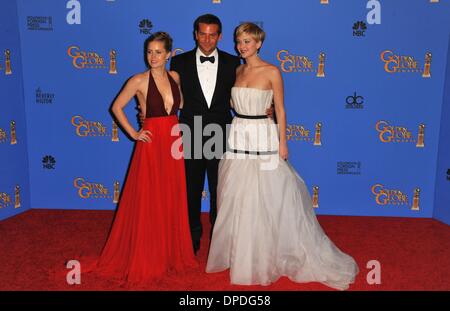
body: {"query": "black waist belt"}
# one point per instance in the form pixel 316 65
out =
pixel 243 116
pixel 254 152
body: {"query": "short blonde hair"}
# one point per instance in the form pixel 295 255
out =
pixel 252 29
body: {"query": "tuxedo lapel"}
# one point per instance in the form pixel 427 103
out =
pixel 197 85
pixel 220 74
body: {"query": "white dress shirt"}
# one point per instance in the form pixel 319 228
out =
pixel 207 74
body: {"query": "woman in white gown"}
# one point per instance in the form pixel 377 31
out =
pixel 266 226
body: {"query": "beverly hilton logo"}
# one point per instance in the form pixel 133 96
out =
pixel 298 132
pixel 93 60
pixel 300 63
pixel 44 97
pixel 394 63
pixel 388 133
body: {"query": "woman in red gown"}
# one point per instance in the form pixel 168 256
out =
pixel 150 235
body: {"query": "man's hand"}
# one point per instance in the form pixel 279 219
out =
pixel 269 112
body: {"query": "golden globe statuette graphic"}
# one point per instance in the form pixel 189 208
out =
pixel 217 1
pixel 434 1
pixel 116 192
pixel 317 141
pixel 323 1
pixel 204 195
pixel 13 133
pixel 426 67
pixel 115 132
pixel 112 62
pixel 17 197
pixel 321 66
pixel 420 136
pixel 8 62
pixel 315 198
pixel 415 205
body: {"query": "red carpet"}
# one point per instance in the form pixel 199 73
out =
pixel 414 253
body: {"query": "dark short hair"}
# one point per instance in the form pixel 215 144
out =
pixel 161 36
pixel 208 19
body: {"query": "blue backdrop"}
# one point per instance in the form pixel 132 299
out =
pixel 14 178
pixel 373 95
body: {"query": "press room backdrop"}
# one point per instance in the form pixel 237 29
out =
pixel 366 93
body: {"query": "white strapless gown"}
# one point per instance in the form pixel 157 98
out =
pixel 266 226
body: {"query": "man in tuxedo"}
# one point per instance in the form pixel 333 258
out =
pixel 207 76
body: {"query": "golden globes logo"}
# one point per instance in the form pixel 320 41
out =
pixel 5 199
pixel 394 63
pixel 91 190
pixel 3 136
pixel 323 1
pixel 384 196
pixel 299 132
pixel 85 128
pixel 294 63
pixel 399 134
pixel 82 59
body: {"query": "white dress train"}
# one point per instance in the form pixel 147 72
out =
pixel 266 226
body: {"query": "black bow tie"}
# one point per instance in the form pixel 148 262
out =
pixel 204 59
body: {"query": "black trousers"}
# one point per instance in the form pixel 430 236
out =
pixel 196 171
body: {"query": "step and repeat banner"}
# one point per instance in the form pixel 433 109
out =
pixel 14 179
pixel 442 198
pixel 364 84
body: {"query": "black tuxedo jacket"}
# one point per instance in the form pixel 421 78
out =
pixel 194 101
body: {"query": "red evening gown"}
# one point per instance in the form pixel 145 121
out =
pixel 150 235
